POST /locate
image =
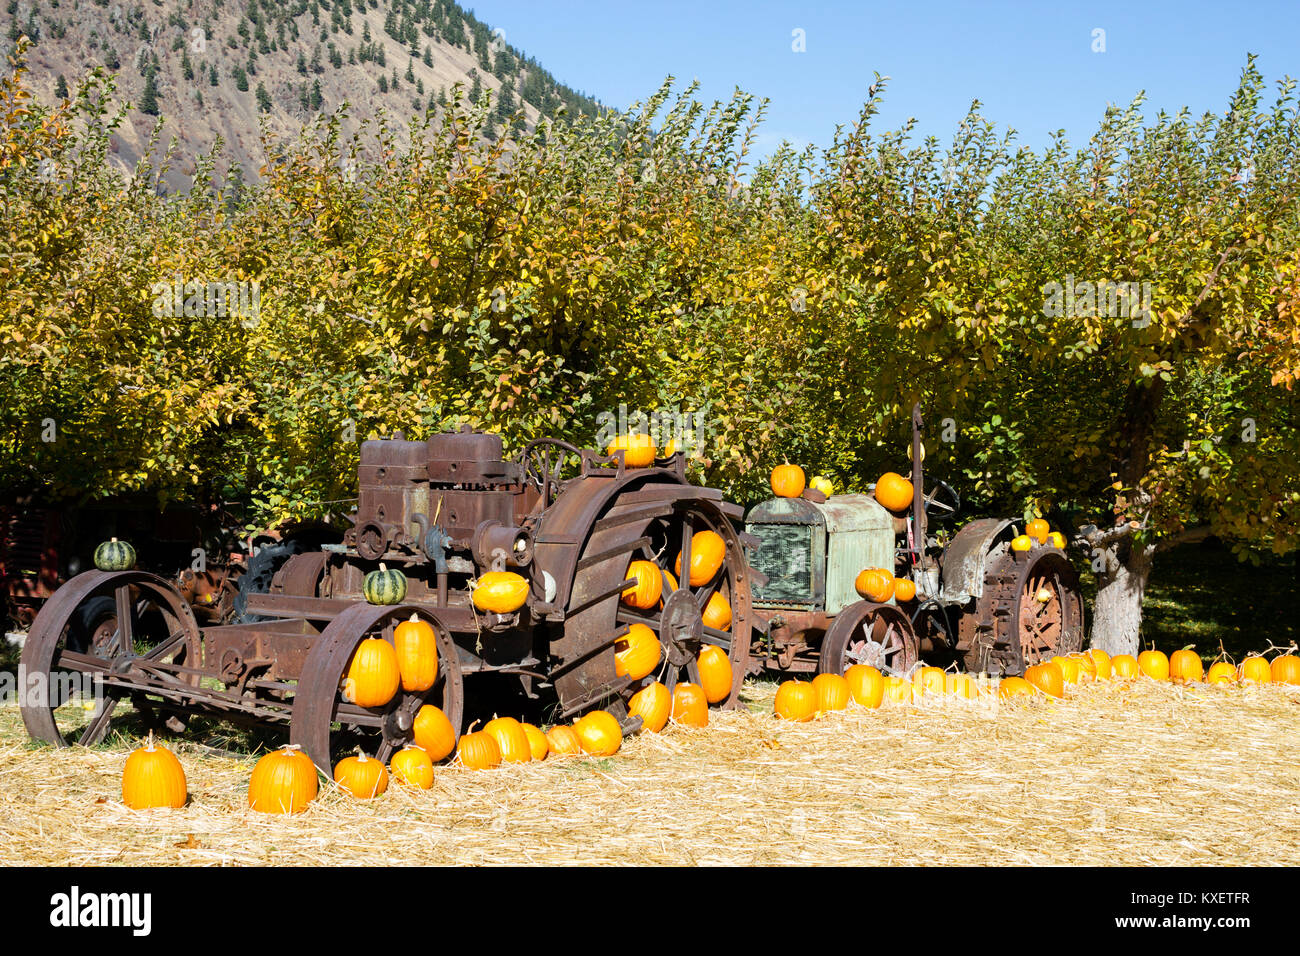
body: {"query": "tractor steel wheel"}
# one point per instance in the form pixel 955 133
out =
pixel 328 728
pixel 656 524
pixel 149 634
pixel 880 635
pixel 1031 609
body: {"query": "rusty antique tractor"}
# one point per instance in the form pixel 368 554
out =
pixel 443 511
pixel 996 609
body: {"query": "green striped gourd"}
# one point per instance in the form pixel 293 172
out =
pixel 114 555
pixel 385 586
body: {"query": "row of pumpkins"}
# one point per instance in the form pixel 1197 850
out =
pixel 866 686
pixel 285 780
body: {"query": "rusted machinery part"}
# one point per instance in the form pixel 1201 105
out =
pixel 880 635
pixel 327 728
pixel 654 523
pixel 1031 609
pixel 113 649
pixel 300 575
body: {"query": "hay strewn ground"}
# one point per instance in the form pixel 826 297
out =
pixel 1118 774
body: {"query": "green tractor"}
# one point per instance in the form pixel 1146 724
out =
pixel 998 608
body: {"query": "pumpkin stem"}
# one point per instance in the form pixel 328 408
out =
pixel 382 566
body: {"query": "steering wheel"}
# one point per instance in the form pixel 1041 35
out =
pixel 935 505
pixel 544 462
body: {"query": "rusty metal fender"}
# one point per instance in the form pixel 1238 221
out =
pixel 565 526
pixel 964 560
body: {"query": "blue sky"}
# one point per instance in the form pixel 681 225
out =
pixel 1032 64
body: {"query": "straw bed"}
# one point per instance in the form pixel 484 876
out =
pixel 1139 773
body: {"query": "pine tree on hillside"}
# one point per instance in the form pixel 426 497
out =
pixel 61 88
pixel 212 76
pixel 263 99
pixel 241 79
pixel 149 98
pixel 316 98
pixel 410 72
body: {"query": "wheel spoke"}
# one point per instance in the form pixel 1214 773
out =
pixel 688 530
pixel 125 637
pixel 99 723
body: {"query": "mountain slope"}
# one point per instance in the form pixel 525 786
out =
pixel 218 67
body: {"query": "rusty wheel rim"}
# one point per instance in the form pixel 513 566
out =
pixel 592 634
pixel 678 621
pixel 1041 618
pixel 329 728
pixel 879 635
pixel 54 654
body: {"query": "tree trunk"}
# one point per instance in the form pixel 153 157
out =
pixel 1121 585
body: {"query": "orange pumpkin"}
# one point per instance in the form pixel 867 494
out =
pixel 866 685
pixel 417 654
pixel 690 707
pixel 875 584
pixel 1048 678
pixel 1056 540
pixel 904 589
pixel 653 704
pixel 894 491
pixel 1069 668
pixel 788 481
pixel 1286 669
pixel 537 742
pixel 360 776
pixel 960 685
pixel 637 652
pixel 649 585
pixel 1185 667
pixel 715 674
pixel 795 700
pixel 1012 687
pixel 153 777
pixel 1101 661
pixel 563 742
pixel 511 738
pixel 434 733
pixel 283 781
pixel 1124 666
pixel 1154 664
pixel 1221 672
pixel 373 675
pixel 500 592
pixel 898 690
pixel 832 692
pixel 928 680
pixel 638 449
pixel 1256 670
pixel 478 751
pixel 599 733
pixel 411 766
pixel 717 613
pixel 1037 528
pixel 1087 667
pixel 708 551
